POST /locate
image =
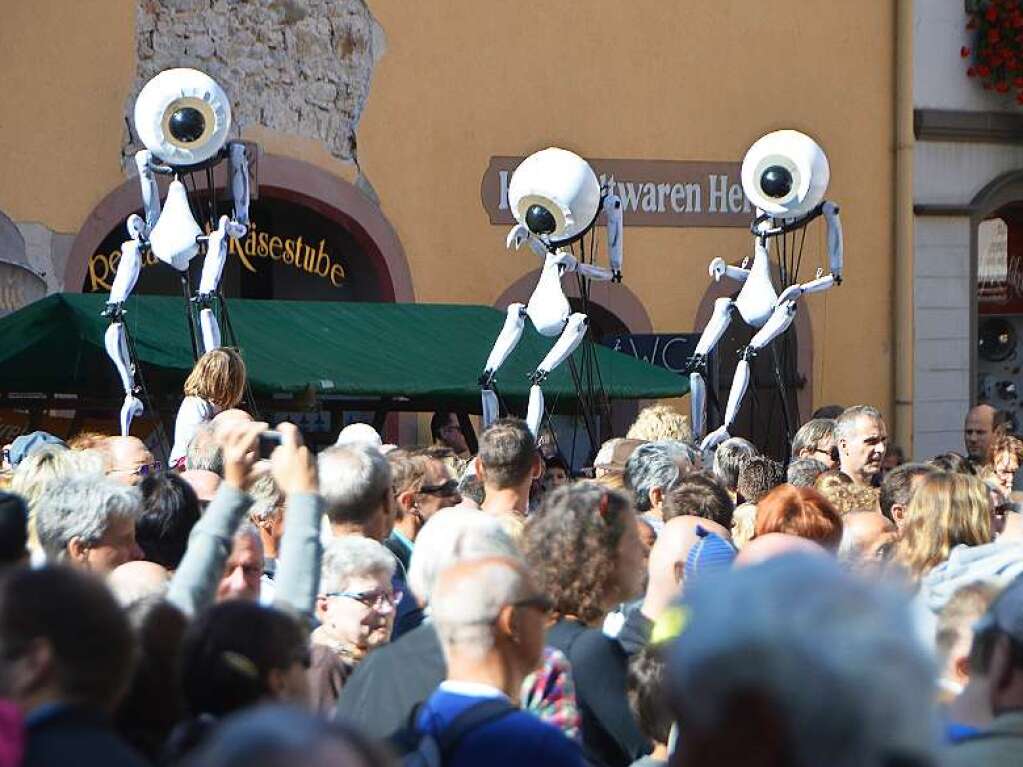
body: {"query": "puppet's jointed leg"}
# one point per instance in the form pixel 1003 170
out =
pixel 509 337
pixel 719 321
pixel 116 343
pixel 115 339
pixel 212 269
pixel 571 337
pixel 778 323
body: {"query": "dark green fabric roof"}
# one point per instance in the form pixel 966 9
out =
pixel 427 353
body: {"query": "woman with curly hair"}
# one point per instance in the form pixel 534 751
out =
pixel 1006 457
pixel 584 550
pixel 948 509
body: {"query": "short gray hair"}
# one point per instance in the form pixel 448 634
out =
pixel 464 610
pixel 353 556
pixel 266 499
pixel 84 508
pixel 653 465
pixel 455 535
pixel 803 472
pixel 812 433
pixel 354 480
pixel 846 423
pixel 727 459
pixel 203 451
pixel 797 630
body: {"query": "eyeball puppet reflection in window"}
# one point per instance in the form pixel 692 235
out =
pixel 785 175
pixel 182 117
pixel 556 198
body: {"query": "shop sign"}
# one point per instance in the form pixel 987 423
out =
pixel 665 350
pixel 289 251
pixel 677 193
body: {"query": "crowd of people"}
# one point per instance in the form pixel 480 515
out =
pixel 376 605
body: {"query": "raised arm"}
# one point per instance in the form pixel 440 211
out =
pixel 718 269
pixel 194 585
pixel 298 569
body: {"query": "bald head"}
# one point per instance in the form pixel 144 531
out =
pixel 128 456
pixel 867 539
pixel 137 580
pixel 978 432
pixel 233 415
pixel 205 483
pixel 771 545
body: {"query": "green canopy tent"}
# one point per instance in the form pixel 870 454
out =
pixel 372 356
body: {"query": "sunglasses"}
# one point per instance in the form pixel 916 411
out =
pixel 374 600
pixel 833 453
pixel 142 470
pixel 444 489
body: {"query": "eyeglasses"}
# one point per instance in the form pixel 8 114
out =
pixel 832 454
pixel 539 602
pixel 374 600
pixel 142 470
pixel 443 489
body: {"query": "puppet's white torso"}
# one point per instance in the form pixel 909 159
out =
pixel 757 298
pixel 548 308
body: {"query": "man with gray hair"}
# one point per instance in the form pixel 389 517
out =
pixel 204 452
pixel 816 439
pixel 490 617
pixel 765 647
pixel 89 522
pixel 383 690
pixel 355 482
pixel 862 439
pixel 728 458
pixel 652 470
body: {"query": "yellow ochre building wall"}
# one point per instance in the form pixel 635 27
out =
pixel 463 80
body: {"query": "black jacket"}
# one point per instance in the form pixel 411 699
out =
pixel 611 737
pixel 379 696
pixel 68 735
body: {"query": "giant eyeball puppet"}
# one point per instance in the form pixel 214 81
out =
pixel 555 194
pixel 183 116
pixel 785 174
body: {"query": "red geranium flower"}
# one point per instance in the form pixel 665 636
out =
pixel 964 51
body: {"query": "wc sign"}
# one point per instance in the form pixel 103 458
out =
pixel 678 193
pixel 665 350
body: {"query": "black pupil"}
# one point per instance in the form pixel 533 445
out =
pixel 539 220
pixel 776 181
pixel 187 124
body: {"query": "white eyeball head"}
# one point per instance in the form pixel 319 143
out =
pixel 785 174
pixel 555 194
pixel 182 116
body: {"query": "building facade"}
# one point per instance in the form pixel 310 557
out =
pixel 385 126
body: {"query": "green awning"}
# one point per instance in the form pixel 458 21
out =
pixel 418 356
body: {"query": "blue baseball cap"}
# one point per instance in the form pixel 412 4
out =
pixel 711 554
pixel 26 444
